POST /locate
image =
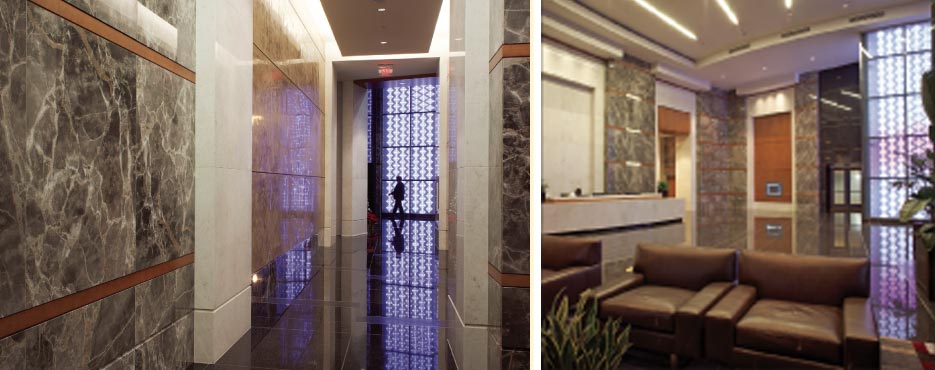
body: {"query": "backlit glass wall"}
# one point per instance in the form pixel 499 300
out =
pixel 410 143
pixel 894 60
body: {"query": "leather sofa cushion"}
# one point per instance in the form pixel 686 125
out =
pixel 559 252
pixel 689 268
pixel 649 307
pixel 793 329
pixel 806 279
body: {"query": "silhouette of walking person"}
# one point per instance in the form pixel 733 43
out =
pixel 399 241
pixel 399 194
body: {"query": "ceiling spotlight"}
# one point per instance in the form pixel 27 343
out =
pixel 723 77
pixel 788 4
pixel 667 19
pixel 812 59
pixel 381 10
pixel 727 10
pixel 382 42
pixel 764 68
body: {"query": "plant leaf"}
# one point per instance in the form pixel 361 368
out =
pixel 911 207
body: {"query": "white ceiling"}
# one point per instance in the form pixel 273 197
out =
pixel 406 26
pixel 758 18
pixel 832 41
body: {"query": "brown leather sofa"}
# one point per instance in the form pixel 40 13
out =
pixel 569 263
pixel 795 312
pixel 665 298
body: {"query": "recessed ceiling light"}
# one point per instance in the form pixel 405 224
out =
pixel 382 42
pixel 812 58
pixel 727 10
pixel 764 68
pixel 723 77
pixel 788 4
pixel 667 19
pixel 381 10
pixel 846 5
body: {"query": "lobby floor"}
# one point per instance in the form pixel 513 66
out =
pixel 357 305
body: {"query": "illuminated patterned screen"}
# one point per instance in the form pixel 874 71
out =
pixel 895 59
pixel 410 143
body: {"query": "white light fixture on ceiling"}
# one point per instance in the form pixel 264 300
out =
pixel 667 19
pixel 382 42
pixel 381 9
pixel 727 10
pixel 788 4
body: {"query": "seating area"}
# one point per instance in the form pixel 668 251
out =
pixel 743 309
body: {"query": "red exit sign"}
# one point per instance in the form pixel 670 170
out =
pixel 385 70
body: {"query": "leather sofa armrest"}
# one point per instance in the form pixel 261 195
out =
pixel 861 340
pixel 627 282
pixel 720 322
pixel 689 318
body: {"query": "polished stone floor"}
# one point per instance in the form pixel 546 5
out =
pixel 902 313
pixel 374 302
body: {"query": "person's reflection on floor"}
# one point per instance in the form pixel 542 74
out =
pixel 399 242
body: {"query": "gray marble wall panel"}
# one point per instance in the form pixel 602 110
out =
pixel 166 26
pixel 516 21
pixel 516 308
pixel 627 179
pixel 99 149
pixel 721 165
pixel 807 175
pixel 624 145
pixel 516 119
pixel 630 135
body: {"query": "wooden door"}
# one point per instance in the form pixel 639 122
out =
pixel 772 158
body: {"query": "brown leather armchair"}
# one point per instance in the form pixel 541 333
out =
pixel 666 297
pixel 571 263
pixel 795 312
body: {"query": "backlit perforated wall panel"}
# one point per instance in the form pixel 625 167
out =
pixel 894 60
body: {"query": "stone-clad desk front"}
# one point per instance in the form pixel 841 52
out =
pixel 569 215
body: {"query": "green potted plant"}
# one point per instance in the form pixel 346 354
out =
pixel 578 339
pixel 922 200
pixel 663 187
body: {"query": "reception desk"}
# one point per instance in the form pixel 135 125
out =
pixel 566 215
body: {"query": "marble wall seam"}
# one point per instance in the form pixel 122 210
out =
pixel 166 27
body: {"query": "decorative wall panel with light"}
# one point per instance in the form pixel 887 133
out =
pixel 894 60
pixel 410 143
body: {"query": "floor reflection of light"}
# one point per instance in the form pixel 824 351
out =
pixel 408 291
pixel 895 280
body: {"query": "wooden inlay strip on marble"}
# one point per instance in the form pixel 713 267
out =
pixel 84 20
pixel 737 193
pixel 508 280
pixel 509 51
pixel 44 312
pixel 722 168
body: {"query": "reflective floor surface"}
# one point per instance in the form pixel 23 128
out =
pixel 374 302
